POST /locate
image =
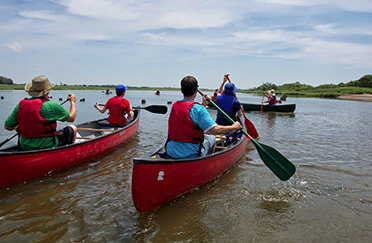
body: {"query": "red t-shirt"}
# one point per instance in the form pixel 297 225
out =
pixel 118 107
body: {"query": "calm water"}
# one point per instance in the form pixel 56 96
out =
pixel 329 199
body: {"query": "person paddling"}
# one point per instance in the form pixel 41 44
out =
pixel 188 121
pixel 271 97
pixel 228 102
pixel 36 118
pixel 119 108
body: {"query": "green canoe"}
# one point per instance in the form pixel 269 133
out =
pixel 277 107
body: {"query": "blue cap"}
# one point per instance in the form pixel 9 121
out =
pixel 121 88
pixel 230 89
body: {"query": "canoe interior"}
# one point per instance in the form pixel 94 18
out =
pixel 223 145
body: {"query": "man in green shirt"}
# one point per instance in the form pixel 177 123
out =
pixel 36 118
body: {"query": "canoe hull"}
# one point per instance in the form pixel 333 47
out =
pixel 277 107
pixel 157 181
pixel 21 166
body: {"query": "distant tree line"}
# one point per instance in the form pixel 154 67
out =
pixel 364 82
pixel 4 80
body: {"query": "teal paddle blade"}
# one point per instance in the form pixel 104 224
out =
pixel 277 163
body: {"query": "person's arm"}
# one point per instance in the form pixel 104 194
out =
pixel 10 128
pixel 99 109
pixel 127 107
pixel 205 101
pixel 218 129
pixel 72 99
pixel 11 122
pixel 240 112
pixel 223 83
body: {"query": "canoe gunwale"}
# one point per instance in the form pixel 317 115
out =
pixel 156 181
pixel 4 152
pixel 269 108
pixel 146 159
pixel 17 166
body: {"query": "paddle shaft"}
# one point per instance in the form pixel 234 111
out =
pixel 96 129
pixel 161 109
pixel 229 118
pixel 64 102
pixel 8 139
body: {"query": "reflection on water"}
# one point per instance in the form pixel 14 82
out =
pixel 328 199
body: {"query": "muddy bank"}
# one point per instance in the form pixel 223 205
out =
pixel 359 97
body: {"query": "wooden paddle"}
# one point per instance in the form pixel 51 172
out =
pixel 96 129
pixel 161 109
pixel 251 129
pixel 277 163
pixel 64 102
pixel 14 135
pixel 263 95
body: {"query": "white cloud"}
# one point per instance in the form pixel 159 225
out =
pixel 196 29
pixel 329 28
pixel 103 9
pixel 15 46
pixel 356 5
pixel 42 15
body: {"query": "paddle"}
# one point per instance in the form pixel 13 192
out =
pixel 161 109
pixel 14 135
pixel 64 102
pixel 251 129
pixel 276 162
pixel 8 139
pixel 263 95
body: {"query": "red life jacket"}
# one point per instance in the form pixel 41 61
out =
pixel 31 124
pixel 272 100
pixel 180 126
pixel 116 110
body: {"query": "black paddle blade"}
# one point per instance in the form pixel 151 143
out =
pixel 277 163
pixel 161 109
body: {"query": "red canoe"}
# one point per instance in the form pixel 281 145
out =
pixel 95 140
pixel 156 180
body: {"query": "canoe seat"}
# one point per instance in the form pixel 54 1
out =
pixel 234 137
pixel 105 123
pixel 220 140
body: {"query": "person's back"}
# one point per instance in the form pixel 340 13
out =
pixel 188 122
pixel 230 106
pixel 118 107
pixel 120 111
pixel 228 102
pixel 35 118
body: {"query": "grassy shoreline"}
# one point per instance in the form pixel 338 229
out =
pixel 315 92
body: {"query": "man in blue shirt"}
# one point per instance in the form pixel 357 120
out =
pixel 188 122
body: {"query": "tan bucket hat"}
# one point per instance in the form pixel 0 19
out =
pixel 39 86
pixel 271 92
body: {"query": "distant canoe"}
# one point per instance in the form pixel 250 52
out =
pixel 157 92
pixel 277 107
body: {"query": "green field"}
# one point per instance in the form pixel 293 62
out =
pixel 360 86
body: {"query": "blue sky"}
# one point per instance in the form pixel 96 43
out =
pixel 156 43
